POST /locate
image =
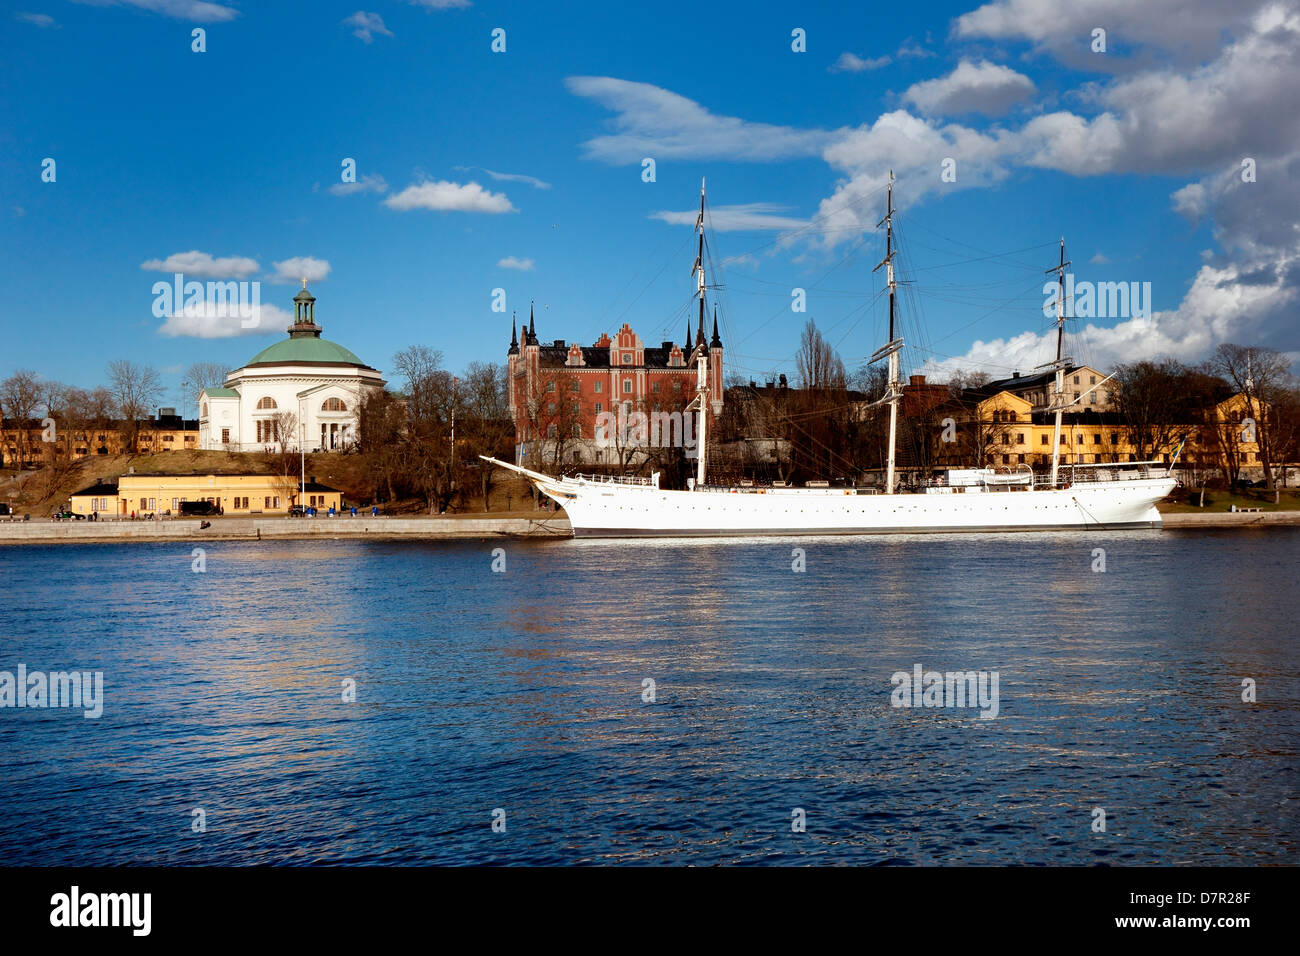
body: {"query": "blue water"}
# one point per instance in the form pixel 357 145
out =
pixel 522 691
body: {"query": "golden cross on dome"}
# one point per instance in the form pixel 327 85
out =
pixel 304 283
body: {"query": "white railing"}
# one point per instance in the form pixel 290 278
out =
pixel 1104 471
pixel 609 479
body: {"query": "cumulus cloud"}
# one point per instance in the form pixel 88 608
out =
pixel 513 262
pixel 443 196
pixel 366 184
pixel 202 265
pixel 301 267
pixel 1173 29
pixel 364 26
pixel 207 321
pixel 754 216
pixel 1224 303
pixel 1169 110
pixel 981 87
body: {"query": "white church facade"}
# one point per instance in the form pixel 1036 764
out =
pixel 302 392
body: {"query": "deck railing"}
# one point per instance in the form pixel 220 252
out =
pixel 609 479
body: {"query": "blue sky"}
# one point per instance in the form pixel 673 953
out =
pixel 231 153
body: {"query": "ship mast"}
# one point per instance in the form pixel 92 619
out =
pixel 701 400
pixel 894 391
pixel 1058 394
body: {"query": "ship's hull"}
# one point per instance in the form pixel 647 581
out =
pixel 597 510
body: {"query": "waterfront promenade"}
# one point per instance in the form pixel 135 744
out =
pixel 450 527
pixel 509 525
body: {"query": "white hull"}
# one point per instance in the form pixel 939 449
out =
pixel 603 509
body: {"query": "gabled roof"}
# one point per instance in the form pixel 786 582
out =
pixel 220 393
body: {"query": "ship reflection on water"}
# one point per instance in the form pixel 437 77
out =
pixel 527 691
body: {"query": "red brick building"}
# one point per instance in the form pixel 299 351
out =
pixel 558 391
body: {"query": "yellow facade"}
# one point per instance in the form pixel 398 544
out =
pixel 235 494
pixel 1008 436
pixel 36 445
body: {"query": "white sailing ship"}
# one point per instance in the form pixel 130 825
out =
pixel 1102 496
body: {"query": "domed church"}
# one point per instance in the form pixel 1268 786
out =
pixel 303 387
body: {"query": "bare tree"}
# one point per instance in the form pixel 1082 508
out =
pixel 487 427
pixel 429 392
pixel 816 363
pixel 199 376
pixel 1261 376
pixel 20 397
pixel 135 389
pixel 959 380
pixel 381 432
pixel 1150 398
pixel 284 429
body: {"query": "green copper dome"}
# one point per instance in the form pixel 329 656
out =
pixel 305 349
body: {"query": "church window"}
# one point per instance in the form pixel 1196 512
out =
pixel 333 405
pixel 266 401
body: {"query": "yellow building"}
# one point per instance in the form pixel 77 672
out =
pixel 1006 430
pixel 232 494
pixel 35 443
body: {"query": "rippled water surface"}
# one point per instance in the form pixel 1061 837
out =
pixel 523 691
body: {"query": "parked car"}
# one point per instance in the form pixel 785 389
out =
pixel 68 516
pixel 297 511
pixel 198 508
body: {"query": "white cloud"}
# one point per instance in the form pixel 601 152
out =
pixel 1100 259
pixel 207 321
pixel 745 217
pixel 1178 29
pixel 366 184
pixel 519 178
pixel 441 4
pixel 981 87
pixel 202 265
pixel 301 267
pixel 42 20
pixel 914 52
pixel 365 25
pixel 443 196
pixel 512 262
pixel 852 63
pixel 657 123
pixel 197 11
pixel 1223 304
pixel 1164 113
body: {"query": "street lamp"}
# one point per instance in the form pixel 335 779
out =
pixel 302 444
